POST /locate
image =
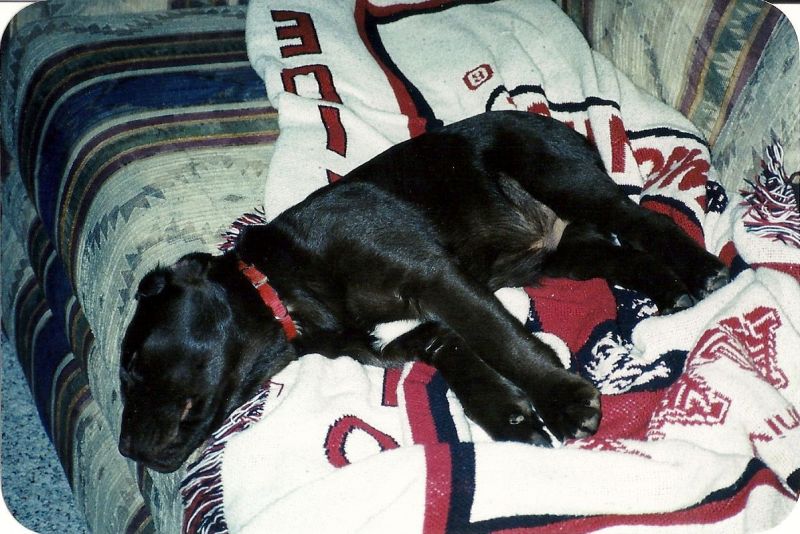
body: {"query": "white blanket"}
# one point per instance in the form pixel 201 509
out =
pixel 700 425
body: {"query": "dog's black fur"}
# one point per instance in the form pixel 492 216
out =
pixel 426 230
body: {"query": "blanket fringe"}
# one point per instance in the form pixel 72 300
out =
pixel 773 206
pixel 257 216
pixel 201 489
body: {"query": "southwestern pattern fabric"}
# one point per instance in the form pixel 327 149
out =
pixel 133 139
pixel 136 131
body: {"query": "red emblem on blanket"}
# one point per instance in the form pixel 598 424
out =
pixel 685 165
pixel 689 402
pixel 478 76
pixel 747 341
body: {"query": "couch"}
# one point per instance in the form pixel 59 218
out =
pixel 135 131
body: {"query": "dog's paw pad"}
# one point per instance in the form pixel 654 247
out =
pixel 717 280
pixel 570 407
pixel 683 302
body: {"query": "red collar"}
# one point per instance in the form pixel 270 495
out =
pixel 270 298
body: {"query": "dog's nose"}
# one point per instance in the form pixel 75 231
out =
pixel 126 446
pixel 136 450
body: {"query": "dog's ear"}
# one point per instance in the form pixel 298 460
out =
pixel 193 268
pixel 153 283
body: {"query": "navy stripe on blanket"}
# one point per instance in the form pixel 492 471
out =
pixel 717 505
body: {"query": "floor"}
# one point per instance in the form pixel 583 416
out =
pixel 34 486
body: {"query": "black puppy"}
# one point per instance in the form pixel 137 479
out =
pixel 426 230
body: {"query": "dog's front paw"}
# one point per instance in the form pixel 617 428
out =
pixel 703 285
pixel 568 404
pixel 506 414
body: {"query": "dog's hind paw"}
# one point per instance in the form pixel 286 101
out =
pixel 683 302
pixel 707 277
pixel 716 281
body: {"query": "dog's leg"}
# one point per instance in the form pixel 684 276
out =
pixel 578 189
pixel 585 253
pixel 400 256
pixel 498 406
pixel 656 234
pixel 568 404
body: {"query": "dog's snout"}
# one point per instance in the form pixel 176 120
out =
pixel 157 456
pixel 138 446
pixel 126 446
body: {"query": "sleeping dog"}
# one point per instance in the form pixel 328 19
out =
pixel 426 230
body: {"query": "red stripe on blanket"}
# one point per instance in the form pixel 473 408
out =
pixel 438 488
pixel 572 309
pixel 792 269
pixel 619 143
pixel 702 514
pixel 363 8
pixel 680 218
pixel 418 408
pixel 728 253
pixel 438 461
pixel 394 9
pixel 391 379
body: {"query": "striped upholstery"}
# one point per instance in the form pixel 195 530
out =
pixel 135 131
pixel 730 66
pixel 134 138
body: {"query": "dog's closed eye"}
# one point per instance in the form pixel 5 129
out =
pixel 129 375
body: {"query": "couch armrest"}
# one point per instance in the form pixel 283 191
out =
pixel 732 70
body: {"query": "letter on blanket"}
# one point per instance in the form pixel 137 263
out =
pixel 619 140
pixel 337 137
pixel 302 38
pixel 322 75
pixel 336 441
pixel 303 29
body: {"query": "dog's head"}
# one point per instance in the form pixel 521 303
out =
pixel 199 344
